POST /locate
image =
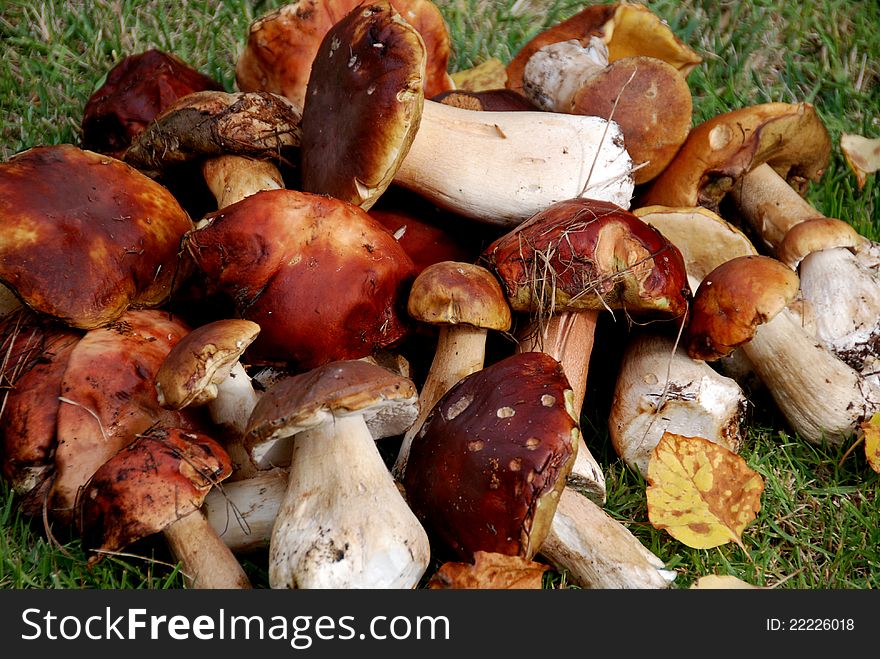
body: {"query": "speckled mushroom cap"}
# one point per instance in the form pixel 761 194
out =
pixel 789 137
pixel 322 279
pixel 486 469
pixel 452 292
pixel 85 236
pixel 201 360
pixel 628 29
pixel 589 254
pixel 734 300
pixel 363 104
pixel 282 45
pixel 147 486
pixel 387 401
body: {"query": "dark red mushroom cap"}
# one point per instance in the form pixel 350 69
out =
pixel 85 236
pixel 136 90
pixel 147 486
pixel 322 279
pixel 589 254
pixel 486 470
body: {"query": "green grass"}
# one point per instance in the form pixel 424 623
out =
pixel 819 524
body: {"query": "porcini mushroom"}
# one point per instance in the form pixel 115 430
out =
pixel 343 522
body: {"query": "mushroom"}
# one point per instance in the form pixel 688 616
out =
pixel 486 469
pixel 283 43
pixel 322 279
pixel 157 484
pixel 465 301
pixel 494 167
pixel 343 522
pixel 135 91
pixel 570 262
pixel 486 100
pixel 743 302
pixel 86 237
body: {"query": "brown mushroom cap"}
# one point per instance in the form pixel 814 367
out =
pixel 387 401
pixel 282 45
pixel 589 254
pixel 650 100
pixel 147 486
pixel 136 90
pixel 363 104
pixel 202 359
pixel 486 100
pixel 85 236
pixel 817 234
pixel 734 300
pixel 486 469
pixel 322 279
pixel 791 138
pixel 628 29
pixel 450 292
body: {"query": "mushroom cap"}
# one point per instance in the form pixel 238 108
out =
pixel 628 29
pixel 85 236
pixel 734 300
pixel 147 486
pixel 201 360
pixel 486 469
pixel 282 45
pixel 451 292
pixel 814 235
pixel 363 104
pixel 589 254
pixel 207 124
pixel 322 279
pixel 387 401
pixel 486 100
pixel 651 102
pixel 790 138
pixel 136 90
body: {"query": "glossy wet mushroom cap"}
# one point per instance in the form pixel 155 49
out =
pixel 363 105
pixel 486 470
pixel 85 236
pixel 732 302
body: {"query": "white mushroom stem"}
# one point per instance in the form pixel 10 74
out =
pixel 568 338
pixel 235 401
pixel 555 73
pixel 243 512
pixel 660 388
pixel 822 398
pixel 503 167
pixel 206 561
pixel 460 351
pixel 343 522
pixel 597 551
pixel 232 178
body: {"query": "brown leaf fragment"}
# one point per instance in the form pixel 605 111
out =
pixel 862 155
pixel 490 570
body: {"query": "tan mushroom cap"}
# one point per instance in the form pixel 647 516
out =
pixel 814 235
pixel 282 45
pixel 628 29
pixel 84 236
pixel 201 360
pixel 790 138
pixel 147 486
pixel 451 292
pixel 363 105
pixel 650 100
pixel 387 401
pixel 734 300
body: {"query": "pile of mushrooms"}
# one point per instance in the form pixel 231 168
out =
pixel 575 187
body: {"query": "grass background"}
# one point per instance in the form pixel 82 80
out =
pixel 819 526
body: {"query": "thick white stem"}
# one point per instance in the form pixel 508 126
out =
pixel 503 167
pixel 234 402
pixel 205 560
pixel 343 522
pixel 460 351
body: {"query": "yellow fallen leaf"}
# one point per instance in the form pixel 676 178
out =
pixel 862 155
pixel 871 430
pixel 490 570
pixel 722 581
pixel 703 494
pixel 491 74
